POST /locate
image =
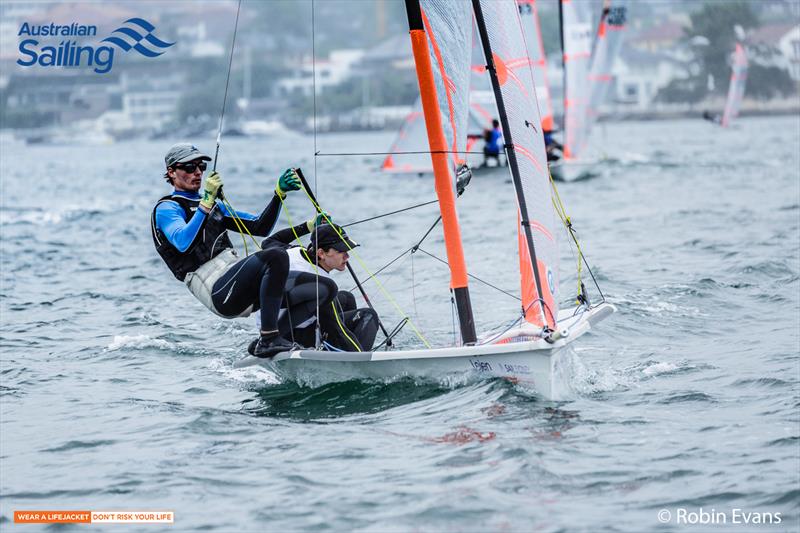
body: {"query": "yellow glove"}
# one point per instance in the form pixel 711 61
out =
pixel 319 220
pixel 212 187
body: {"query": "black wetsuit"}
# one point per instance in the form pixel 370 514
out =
pixel 341 324
pixel 186 237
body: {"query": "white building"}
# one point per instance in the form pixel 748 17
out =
pixel 639 75
pixel 322 73
pixel 783 38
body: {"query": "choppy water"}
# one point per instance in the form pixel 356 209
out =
pixel 117 391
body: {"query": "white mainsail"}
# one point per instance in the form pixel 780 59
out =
pixel 409 151
pixel 515 92
pixel 606 49
pixel 736 88
pixel 576 32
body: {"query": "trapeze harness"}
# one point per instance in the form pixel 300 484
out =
pixel 202 256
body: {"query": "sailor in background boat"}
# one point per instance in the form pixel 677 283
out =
pixel 554 148
pixel 492 146
pixel 343 326
pixel 712 117
pixel 190 234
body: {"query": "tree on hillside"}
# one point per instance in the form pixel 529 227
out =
pixel 715 22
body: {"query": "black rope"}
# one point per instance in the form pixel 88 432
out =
pixel 227 83
pixel 320 154
pixel 597 285
pixel 412 250
pixel 476 278
pixel 416 246
pixel 389 213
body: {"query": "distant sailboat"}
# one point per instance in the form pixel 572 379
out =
pixel 409 151
pixel 737 86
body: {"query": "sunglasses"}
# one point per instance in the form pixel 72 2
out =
pixel 191 166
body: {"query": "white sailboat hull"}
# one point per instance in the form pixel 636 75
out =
pixel 532 363
pixel 575 170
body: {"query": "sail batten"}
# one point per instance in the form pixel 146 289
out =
pixel 510 67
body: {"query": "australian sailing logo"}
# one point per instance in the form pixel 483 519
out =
pixel 135 34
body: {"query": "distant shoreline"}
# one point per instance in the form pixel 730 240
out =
pixel 696 113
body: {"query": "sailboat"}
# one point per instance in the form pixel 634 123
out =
pixel 587 77
pixel 407 155
pixel 531 350
pixel 606 48
pixel 737 86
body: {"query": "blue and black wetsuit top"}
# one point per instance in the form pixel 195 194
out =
pixel 185 237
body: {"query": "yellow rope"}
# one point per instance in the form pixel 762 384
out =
pixel 344 330
pixel 316 270
pixel 367 270
pixel 562 214
pixel 239 225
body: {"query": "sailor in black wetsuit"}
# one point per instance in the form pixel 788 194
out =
pixel 190 234
pixel 343 326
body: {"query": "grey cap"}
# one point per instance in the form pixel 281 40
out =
pixel 183 153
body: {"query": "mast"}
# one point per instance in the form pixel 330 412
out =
pixel 441 170
pixel 511 153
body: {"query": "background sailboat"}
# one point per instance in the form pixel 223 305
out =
pixel 588 64
pixel 607 44
pixel 737 86
pixel 408 153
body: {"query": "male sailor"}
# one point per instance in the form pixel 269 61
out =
pixel 342 325
pixel 190 234
pixel 492 147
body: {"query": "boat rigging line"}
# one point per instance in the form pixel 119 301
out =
pixel 389 213
pixel 339 154
pixel 241 227
pixel 313 199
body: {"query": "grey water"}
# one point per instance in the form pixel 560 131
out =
pixel 117 388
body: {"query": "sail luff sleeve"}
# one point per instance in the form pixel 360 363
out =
pixel 444 177
pixel 510 67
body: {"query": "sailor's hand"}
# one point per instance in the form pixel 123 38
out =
pixel 320 219
pixel 212 186
pixel 289 181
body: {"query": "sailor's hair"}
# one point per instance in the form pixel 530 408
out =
pixel 166 176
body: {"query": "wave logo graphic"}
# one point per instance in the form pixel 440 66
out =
pixel 137 34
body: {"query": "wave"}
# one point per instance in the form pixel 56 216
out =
pixel 138 342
